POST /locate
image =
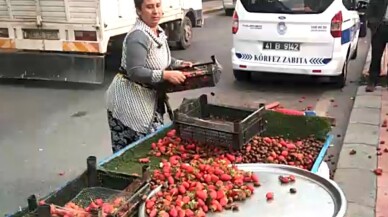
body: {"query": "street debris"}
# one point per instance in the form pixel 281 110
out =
pixel 79 114
pixel 352 152
pixel 293 190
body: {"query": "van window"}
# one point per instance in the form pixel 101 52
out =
pixel 286 6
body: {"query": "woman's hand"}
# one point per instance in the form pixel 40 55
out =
pixel 187 64
pixel 174 76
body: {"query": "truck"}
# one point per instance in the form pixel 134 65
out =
pixel 69 40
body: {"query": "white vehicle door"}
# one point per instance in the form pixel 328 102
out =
pixel 351 24
pixel 192 4
pixel 287 32
pixel 171 8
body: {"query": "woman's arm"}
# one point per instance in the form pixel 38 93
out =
pixel 175 63
pixel 137 44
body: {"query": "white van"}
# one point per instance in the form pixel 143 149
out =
pixel 305 37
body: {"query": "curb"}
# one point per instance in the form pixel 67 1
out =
pixel 354 172
pixel 212 10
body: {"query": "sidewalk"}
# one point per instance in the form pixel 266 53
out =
pixel 212 6
pixel 366 192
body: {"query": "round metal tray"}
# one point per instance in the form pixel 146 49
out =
pixel 316 196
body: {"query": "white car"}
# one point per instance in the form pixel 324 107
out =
pixel 229 6
pixel 295 37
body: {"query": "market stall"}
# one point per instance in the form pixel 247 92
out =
pixel 268 143
pixel 212 160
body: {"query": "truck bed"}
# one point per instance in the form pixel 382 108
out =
pixel 58 11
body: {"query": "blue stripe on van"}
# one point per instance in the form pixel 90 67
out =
pixel 348 34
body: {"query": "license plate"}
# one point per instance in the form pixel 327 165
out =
pixel 288 46
pixel 41 34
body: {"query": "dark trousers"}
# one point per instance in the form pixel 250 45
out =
pixel 379 40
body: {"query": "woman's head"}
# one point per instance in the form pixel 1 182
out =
pixel 149 11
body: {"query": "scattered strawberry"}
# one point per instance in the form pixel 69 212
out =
pixel 144 160
pixel 378 171
pixel 269 196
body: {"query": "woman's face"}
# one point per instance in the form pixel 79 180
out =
pixel 151 12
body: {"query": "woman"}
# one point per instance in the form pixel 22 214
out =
pixel 134 108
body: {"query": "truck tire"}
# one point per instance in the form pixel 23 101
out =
pixel 186 34
pixel 242 75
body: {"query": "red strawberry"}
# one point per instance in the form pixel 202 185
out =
pixel 171 133
pixel 201 203
pixel 186 199
pixel 220 194
pixel 254 178
pixel 186 184
pixel 153 213
pixel 181 213
pixel 150 204
pixel 163 214
pixel 223 201
pixel 173 212
pixel 214 178
pixel 182 189
pixel 170 180
pixel 378 171
pixel 99 202
pixel 200 213
pixel 231 157
pixel 225 177
pixel 213 194
pixel 251 188
pixel 207 178
pixel 201 194
pixel 189 213
pixel 269 196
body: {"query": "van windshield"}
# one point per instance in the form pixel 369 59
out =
pixel 286 6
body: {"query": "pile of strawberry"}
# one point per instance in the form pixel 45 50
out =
pixel 301 153
pixel 198 187
pixel 73 210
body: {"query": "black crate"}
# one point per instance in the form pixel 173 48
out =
pixel 196 120
pixel 97 179
pixel 199 76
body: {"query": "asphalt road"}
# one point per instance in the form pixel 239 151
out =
pixel 43 143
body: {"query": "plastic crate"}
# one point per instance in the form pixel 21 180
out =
pixel 225 126
pixel 88 186
pixel 199 76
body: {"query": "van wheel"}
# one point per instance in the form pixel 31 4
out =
pixel 186 34
pixel 340 81
pixel 242 75
pixel 354 55
pixel 229 12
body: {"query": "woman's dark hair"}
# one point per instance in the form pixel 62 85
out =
pixel 138 4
